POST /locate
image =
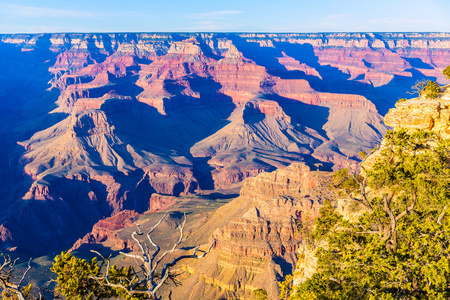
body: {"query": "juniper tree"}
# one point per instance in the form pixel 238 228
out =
pixel 400 246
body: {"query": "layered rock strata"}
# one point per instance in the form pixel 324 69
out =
pixel 259 240
pixel 104 231
pixel 137 114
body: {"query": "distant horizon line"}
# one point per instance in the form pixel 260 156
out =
pixel 221 32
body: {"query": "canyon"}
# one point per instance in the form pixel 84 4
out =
pixel 256 236
pixel 95 125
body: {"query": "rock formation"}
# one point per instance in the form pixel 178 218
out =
pixel 105 121
pixel 104 231
pixel 256 235
pixel 426 114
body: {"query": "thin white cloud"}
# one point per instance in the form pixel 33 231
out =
pixel 14 10
pixel 11 29
pixel 335 22
pixel 40 12
pixel 211 21
pixel 214 14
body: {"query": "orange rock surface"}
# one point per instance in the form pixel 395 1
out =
pixel 261 238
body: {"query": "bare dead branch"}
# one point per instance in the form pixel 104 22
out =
pixel 165 274
pixel 6 262
pixel 150 280
pixel 25 273
pixel 6 272
pixel 362 181
pixel 99 254
pixel 133 236
pixel 174 246
pixel 418 88
pixel 157 224
pixel 132 255
pixel 393 224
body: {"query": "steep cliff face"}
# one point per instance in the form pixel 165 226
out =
pixel 279 202
pixel 256 244
pixel 259 124
pixel 137 114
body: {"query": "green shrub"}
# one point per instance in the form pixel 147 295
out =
pixel 446 72
pixel 260 294
pixel 431 90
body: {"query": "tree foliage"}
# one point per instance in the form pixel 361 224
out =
pixel 446 72
pixel 285 286
pixel 77 279
pixel 431 90
pixel 428 89
pixel 400 247
pixel 74 280
pixel 260 294
pixel 401 100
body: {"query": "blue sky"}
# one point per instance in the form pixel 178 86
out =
pixel 31 16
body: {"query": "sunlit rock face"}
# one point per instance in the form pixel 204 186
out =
pixel 422 113
pixel 256 236
pixel 94 124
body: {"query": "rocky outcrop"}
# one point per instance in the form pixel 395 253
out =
pixel 421 113
pixel 255 236
pixel 161 202
pixel 5 234
pixel 259 124
pixel 83 167
pixel 281 200
pixel 105 231
pixel 240 78
pixel 260 238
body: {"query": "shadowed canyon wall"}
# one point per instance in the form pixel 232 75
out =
pixel 94 124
